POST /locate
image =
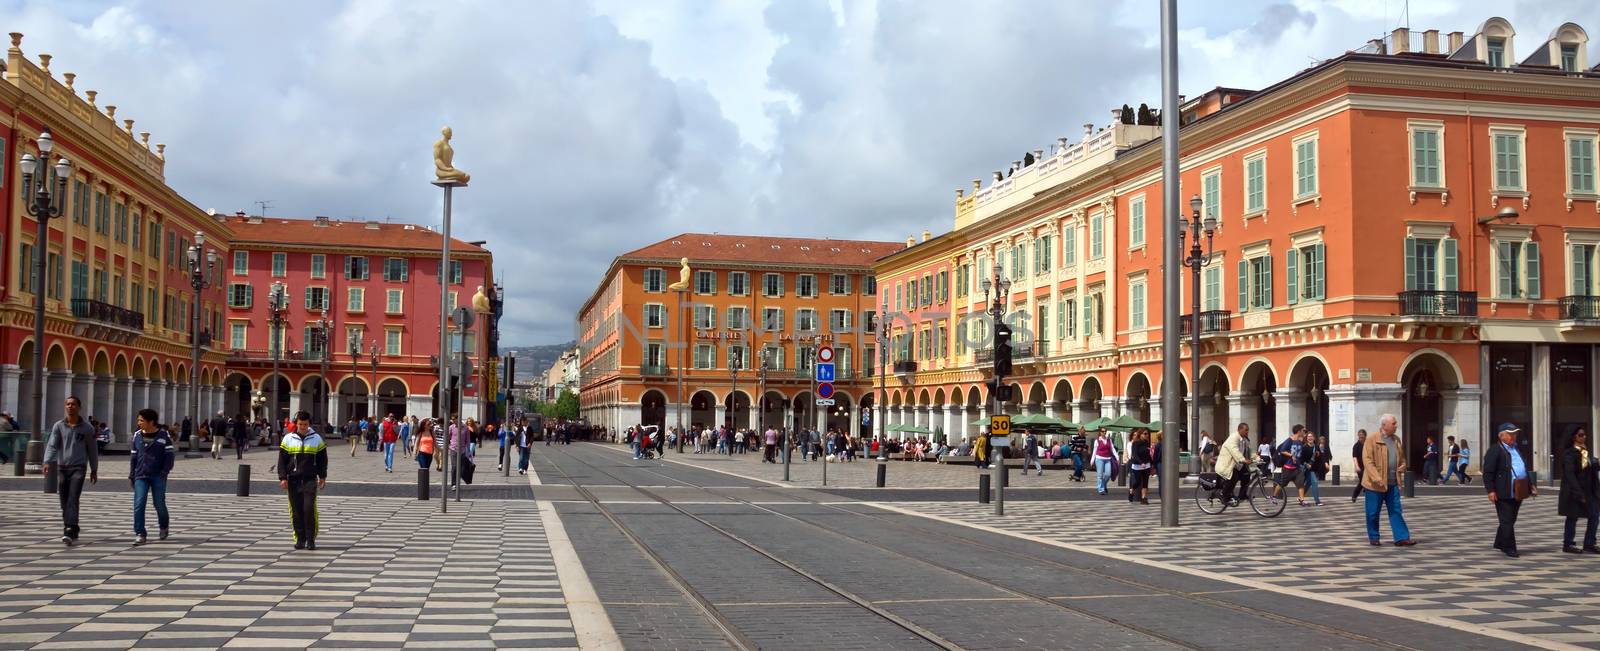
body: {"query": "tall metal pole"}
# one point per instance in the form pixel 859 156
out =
pixel 198 282
pixel 464 374
pixel 997 463
pixel 326 385
pixel 444 346
pixel 683 347
pixel 372 396
pixel 1170 257
pixel 1196 260
pixel 43 207
pixel 883 376
pixel 275 304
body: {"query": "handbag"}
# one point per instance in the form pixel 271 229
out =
pixel 1521 488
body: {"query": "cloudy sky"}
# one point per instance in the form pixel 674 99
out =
pixel 591 128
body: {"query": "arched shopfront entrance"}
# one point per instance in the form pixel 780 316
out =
pixel 1426 378
pixel 737 408
pixel 652 410
pixel 392 398
pixel 1259 385
pixel 702 410
pixel 1138 397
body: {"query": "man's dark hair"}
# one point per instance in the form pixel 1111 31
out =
pixel 76 399
pixel 303 415
pixel 1297 429
pixel 150 415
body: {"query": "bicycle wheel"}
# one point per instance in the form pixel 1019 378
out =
pixel 1209 502
pixel 1262 500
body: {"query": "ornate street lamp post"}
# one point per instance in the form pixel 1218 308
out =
pixel 44 204
pixel 374 355
pixel 277 303
pixel 323 341
pixel 1196 260
pixel 355 372
pixel 199 279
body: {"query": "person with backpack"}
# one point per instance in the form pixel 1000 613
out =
pixel 1452 462
pixel 1030 453
pixel 1208 450
pixel 150 459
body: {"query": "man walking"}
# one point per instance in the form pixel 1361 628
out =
pixel 391 435
pixel 302 471
pixel 150 460
pixel 1505 474
pixel 524 446
pixel 1382 465
pixel 1030 453
pixel 770 451
pixel 70 448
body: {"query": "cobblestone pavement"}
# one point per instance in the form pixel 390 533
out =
pixel 1453 576
pixel 229 576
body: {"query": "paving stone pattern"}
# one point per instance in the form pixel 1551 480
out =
pixel 229 576
pixel 1454 572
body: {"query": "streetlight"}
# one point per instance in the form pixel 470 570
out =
pixel 374 355
pixel 734 364
pixel 277 303
pixel 46 204
pixel 883 373
pixel 355 371
pixel 199 279
pixel 323 339
pixel 1196 260
pixel 997 311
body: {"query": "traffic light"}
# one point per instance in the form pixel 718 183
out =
pixel 1002 349
pixel 999 390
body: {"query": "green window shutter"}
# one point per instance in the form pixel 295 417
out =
pixel 1411 263
pixel 1447 248
pixel 1291 267
pixel 1321 281
pixel 1244 285
pixel 1267 291
pixel 1061 320
pixel 1531 256
pixel 1580 270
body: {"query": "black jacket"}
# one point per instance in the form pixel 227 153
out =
pixel 1497 471
pixel 1580 489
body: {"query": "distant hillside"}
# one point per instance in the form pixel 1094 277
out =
pixel 533 360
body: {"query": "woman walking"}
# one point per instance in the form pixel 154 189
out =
pixel 425 444
pixel 1139 462
pixel 1580 494
pixel 1466 457
pixel 1102 461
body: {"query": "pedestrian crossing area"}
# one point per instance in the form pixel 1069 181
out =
pixel 1453 577
pixel 388 573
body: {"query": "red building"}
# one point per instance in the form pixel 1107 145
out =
pixel 376 283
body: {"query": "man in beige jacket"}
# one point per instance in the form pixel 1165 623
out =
pixel 1383 463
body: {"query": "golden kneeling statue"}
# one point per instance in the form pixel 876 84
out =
pixel 443 160
pixel 683 278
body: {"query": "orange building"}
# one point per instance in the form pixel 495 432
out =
pixel 748 298
pixel 1409 228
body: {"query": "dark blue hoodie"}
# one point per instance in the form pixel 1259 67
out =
pixel 151 456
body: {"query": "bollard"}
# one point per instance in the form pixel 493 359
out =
pixel 1005 475
pixel 1410 485
pixel 983 488
pixel 1122 475
pixel 883 472
pixel 19 463
pixel 1336 475
pixel 243 489
pixel 422 483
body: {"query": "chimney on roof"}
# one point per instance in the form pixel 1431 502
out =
pixel 911 241
pixel 1376 44
pixel 320 220
pixel 1430 41
pixel 1456 39
pixel 1401 38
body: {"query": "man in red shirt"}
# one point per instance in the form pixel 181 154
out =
pixel 391 434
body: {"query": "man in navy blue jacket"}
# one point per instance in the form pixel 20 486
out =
pixel 150 461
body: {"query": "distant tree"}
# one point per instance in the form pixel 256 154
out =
pixel 1127 114
pixel 1145 117
pixel 565 406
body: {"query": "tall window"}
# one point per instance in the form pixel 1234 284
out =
pixel 1507 160
pixel 838 320
pixel 391 342
pixel 1255 283
pixel 772 285
pixel 1136 222
pixel 1517 269
pixel 805 286
pixel 705 356
pixel 393 301
pixel 805 320
pixel 653 280
pixel 1304 279
pixel 239 295
pixel 772 319
pixel 319 266
pixel 1497 53
pixel 1430 264
pixel 396 270
pixel 738 318
pixel 1211 193
pixel 316 298
pixel 655 315
pixel 705 317
pixel 1136 296
pixel 236 335
pixel 355 268
pixel 1305 167
pixel 1212 288
pixel 1069 247
pixel 839 284
pixel 138 233
pixel 1580 164
pixel 738 283
pixel 869 285
pixel 1425 157
pixel 705 282
pixel 655 355
pixel 1097 236
pixel 455 272
pixel 280 265
pixel 357 300
pixel 1583 270
pixel 1569 57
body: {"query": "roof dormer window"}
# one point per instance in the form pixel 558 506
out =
pixel 1569 57
pixel 1496 53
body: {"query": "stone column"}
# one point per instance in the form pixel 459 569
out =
pixel 1290 408
pixel 294 402
pixel 962 428
pixel 11 389
pixel 719 414
pixel 82 385
pixel 951 431
pixel 102 398
pixel 56 387
pixel 1468 402
pixel 136 400
pixel 122 418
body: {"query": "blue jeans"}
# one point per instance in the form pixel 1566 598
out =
pixel 636 448
pixel 1397 521
pixel 1077 466
pixel 1311 486
pixel 1102 472
pixel 522 462
pixel 155 487
pixel 1451 469
pixel 388 456
pixel 1430 471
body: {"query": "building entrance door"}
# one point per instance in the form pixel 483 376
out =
pixel 1570 392
pixel 1424 418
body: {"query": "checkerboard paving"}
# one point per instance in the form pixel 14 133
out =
pixel 1453 573
pixel 387 573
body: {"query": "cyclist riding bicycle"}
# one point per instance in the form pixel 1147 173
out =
pixel 1233 463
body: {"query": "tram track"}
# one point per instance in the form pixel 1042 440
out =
pixel 1023 557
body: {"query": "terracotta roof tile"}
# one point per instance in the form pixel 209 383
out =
pixel 271 231
pixel 756 248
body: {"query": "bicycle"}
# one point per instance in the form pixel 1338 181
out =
pixel 1210 497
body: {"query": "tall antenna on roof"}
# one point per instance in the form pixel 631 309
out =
pixel 263 205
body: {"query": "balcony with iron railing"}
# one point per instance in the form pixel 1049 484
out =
pixel 1438 305
pixel 654 370
pixel 1580 310
pixel 1211 322
pixel 103 321
pixel 905 366
pixel 1040 348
